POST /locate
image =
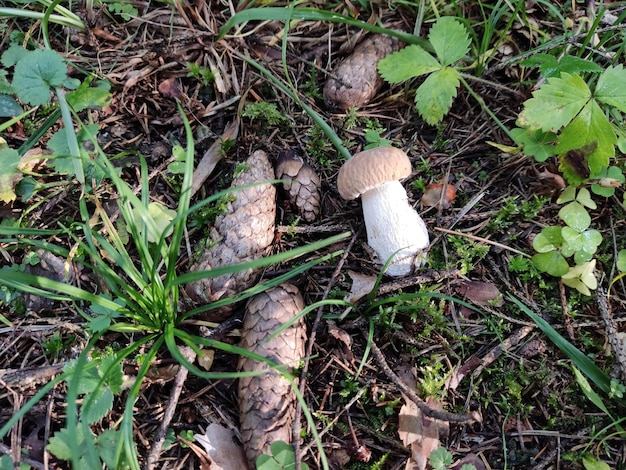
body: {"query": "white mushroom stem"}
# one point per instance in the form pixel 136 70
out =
pixel 394 226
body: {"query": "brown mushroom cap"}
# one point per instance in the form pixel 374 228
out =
pixel 371 168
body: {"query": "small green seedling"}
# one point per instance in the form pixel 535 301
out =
pixel 441 459
pixel 434 96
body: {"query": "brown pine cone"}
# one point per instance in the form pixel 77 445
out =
pixel 302 185
pixel 242 234
pixel 355 81
pixel 267 402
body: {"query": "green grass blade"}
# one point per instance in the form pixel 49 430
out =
pixel 313 14
pixel 582 362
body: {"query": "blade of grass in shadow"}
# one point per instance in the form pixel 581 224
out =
pixel 582 362
pixel 313 14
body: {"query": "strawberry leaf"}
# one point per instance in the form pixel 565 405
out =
pixel 434 97
pixel 611 87
pixel 449 39
pixel 412 61
pixel 555 104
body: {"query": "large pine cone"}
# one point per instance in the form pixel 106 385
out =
pixel 267 402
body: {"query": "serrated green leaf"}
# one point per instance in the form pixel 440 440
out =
pixel 536 143
pixel 591 125
pixel 434 96
pixel 611 87
pixel 13 54
pixel 106 444
pixel 572 64
pixel 449 39
pixel 59 443
pixel 111 369
pixel 9 174
pixel 412 61
pixel 440 458
pixel 88 97
pixel 549 239
pixel 9 107
pixel 555 104
pixel 36 73
pixel 551 262
pixel 548 64
pixel 576 216
pixel 97 405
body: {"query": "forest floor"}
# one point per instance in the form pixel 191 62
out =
pixel 453 330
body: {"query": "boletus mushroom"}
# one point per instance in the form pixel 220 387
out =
pixel 394 228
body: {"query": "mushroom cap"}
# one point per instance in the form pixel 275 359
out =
pixel 370 168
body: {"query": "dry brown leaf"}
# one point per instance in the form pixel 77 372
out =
pixel 481 293
pixel 419 432
pixel 339 334
pixel 432 196
pixel 170 88
pixel 362 285
pixel 219 444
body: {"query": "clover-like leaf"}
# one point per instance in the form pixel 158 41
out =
pixel 549 239
pixel 567 195
pixel 551 262
pixel 621 260
pixel 607 181
pixel 611 87
pixel 434 97
pixel 555 104
pixel 412 61
pixel 35 73
pixel 584 197
pixel 576 216
pixel 574 241
pixel 449 39
pixel 581 277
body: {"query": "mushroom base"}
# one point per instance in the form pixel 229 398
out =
pixel 393 226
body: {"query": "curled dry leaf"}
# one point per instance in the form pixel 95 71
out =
pixel 242 234
pixel 267 401
pixel 302 185
pixel 481 293
pixel 355 81
pixel 220 447
pixel 433 195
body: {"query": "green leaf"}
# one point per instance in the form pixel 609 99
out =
pixel 549 239
pixel 59 443
pixel 412 61
pixel 576 216
pixel 434 96
pixel 97 404
pixel 572 64
pixel 536 143
pixel 160 217
pixel 587 241
pixel 551 262
pixel 591 125
pixel 9 174
pixel 9 107
pixel 13 54
pixel 608 180
pixel 35 73
pixel 283 457
pixel 88 97
pixel 106 444
pixel 440 459
pixel 590 463
pixel 611 87
pixel 581 277
pixel 568 194
pixel 589 392
pixel 449 39
pixel 584 197
pixel 555 104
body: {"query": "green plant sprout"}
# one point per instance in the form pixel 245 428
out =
pixel 441 459
pixel 556 243
pixel 283 458
pixel 202 74
pixel 434 96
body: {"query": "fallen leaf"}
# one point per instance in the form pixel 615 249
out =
pixel 362 285
pixel 218 442
pixel 420 432
pixel 9 174
pixel 432 195
pixel 481 293
pixel 169 88
pixel 339 334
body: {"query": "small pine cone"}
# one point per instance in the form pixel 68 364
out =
pixel 242 234
pixel 302 185
pixel 355 81
pixel 267 403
